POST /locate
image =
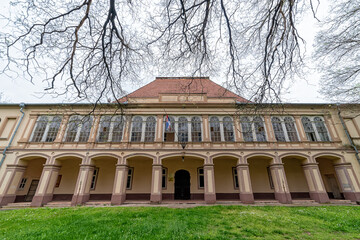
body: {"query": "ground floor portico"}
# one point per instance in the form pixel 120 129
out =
pixel 158 177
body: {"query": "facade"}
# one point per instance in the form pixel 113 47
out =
pixel 178 139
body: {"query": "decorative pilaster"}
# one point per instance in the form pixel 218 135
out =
pixel 348 182
pixel 246 193
pixel 10 183
pixel 300 128
pixel 44 193
pixel 206 133
pixel 119 191
pixel 82 189
pixel 315 183
pixel 209 180
pixel 156 183
pixel 282 193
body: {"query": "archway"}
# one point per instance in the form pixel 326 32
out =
pixel 182 185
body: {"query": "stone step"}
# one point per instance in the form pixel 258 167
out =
pixel 305 201
pixel 340 201
pixel 17 205
pixel 98 203
pixel 58 204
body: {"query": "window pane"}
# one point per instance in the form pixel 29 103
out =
pixel 215 129
pixel 259 129
pixel 291 130
pixel 228 129
pixel 136 129
pixel 85 129
pixel 309 130
pixel 321 129
pixel 118 129
pixel 73 125
pixel 53 129
pixel 196 129
pixel 104 128
pixel 183 134
pixel 278 130
pixel 40 129
pixel 150 129
pixel 246 129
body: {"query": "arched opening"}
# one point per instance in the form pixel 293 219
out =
pixel 226 178
pixel 329 176
pixel 182 185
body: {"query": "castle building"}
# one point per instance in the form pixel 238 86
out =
pixel 179 139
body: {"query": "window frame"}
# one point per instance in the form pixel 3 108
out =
pixel 94 178
pixel 131 175
pixel 164 176
pixel 201 175
pixel 113 123
pixel 79 128
pixel 235 177
pixel 284 129
pixel 143 127
pixel 253 132
pixel 318 137
pixel 49 121
pixel 222 128
pixel 176 127
pixel 22 184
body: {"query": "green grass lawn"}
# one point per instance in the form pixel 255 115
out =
pixel 209 222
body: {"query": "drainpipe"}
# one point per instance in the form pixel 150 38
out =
pixel 22 105
pixel 348 135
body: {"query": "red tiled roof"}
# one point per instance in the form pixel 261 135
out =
pixel 180 85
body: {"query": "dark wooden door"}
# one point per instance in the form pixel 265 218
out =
pixel 32 190
pixel 334 187
pixel 182 185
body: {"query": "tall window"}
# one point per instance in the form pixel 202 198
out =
pixel 94 178
pixel 201 177
pixel 78 129
pixel 104 128
pixel 196 129
pixel 136 129
pixel 278 129
pixel 309 129
pixel 129 178
pixel 321 129
pixel 235 178
pixel 228 129
pixel 150 129
pixel 46 129
pixel 291 129
pixel 110 129
pixel 215 129
pixel 183 130
pixel 253 128
pixel 284 129
pixel 164 178
pixel 315 129
pixel 169 133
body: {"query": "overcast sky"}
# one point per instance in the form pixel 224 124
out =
pixel 16 89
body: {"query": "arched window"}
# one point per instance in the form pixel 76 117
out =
pixel 290 129
pixel 183 134
pixel 86 123
pixel 259 129
pixel 150 129
pixel 215 129
pixel 195 129
pixel 321 129
pixel 169 133
pixel 278 130
pixel 309 130
pixel 118 129
pixel 73 125
pixel 228 129
pixel 246 129
pixel 53 129
pixel 39 129
pixel 104 128
pixel 136 129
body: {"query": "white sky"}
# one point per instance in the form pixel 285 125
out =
pixel 16 89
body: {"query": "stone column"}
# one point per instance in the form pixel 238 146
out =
pixel 82 189
pixel 315 183
pixel 209 180
pixel 156 183
pixel 348 182
pixel 282 193
pixel 10 183
pixel 119 191
pixel 246 193
pixel 44 192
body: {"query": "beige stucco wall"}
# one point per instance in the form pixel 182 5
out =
pixel 106 175
pixel 32 172
pixel 326 167
pixel 224 181
pixel 69 171
pixel 259 176
pixel 295 175
pixel 141 182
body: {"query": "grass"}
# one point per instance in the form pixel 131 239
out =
pixel 209 222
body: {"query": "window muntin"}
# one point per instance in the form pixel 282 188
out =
pixel 78 129
pixel 195 129
pixel 201 180
pixel 22 183
pixel 253 129
pixel 315 129
pixel 228 129
pixel 136 130
pixel 110 128
pixel 183 132
pixel 46 129
pixel 284 129
pixel 150 126
pixel 215 131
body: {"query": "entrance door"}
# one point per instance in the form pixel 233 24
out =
pixel 334 188
pixel 32 190
pixel 182 185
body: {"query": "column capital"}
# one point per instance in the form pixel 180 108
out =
pixel 15 167
pixel 313 164
pixel 208 165
pixel 242 165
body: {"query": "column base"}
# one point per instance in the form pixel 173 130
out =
pixel 39 201
pixel 320 197
pixel 283 197
pixel 79 199
pixel 155 198
pixel 352 196
pixel 118 199
pixel 210 198
pixel 5 200
pixel 247 197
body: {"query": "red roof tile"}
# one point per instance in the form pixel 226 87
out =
pixel 180 85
